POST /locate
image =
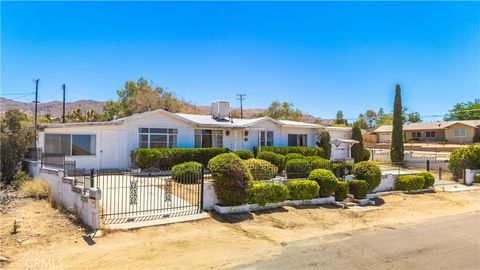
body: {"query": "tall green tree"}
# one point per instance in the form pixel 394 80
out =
pixel 465 111
pixel 396 147
pixel 371 117
pixel 362 122
pixel 16 135
pixel 323 141
pixel 413 117
pixel 282 110
pixel 339 120
pixel 358 148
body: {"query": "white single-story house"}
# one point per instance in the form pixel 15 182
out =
pixel 109 144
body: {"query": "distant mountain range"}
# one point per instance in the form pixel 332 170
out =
pixel 54 108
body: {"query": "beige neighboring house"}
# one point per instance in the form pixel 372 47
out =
pixel 456 132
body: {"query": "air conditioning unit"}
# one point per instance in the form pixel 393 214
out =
pixel 220 109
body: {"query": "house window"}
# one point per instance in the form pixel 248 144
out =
pixel 297 139
pixel 71 144
pixel 266 138
pixel 158 137
pixel 416 134
pixel 460 132
pixel 430 134
pixel 207 138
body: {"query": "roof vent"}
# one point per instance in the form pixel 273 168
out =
pixel 220 110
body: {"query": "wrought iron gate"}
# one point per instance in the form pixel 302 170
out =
pixel 149 194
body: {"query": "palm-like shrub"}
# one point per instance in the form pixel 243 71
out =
pixel 261 169
pixel 369 172
pixel 231 179
pixel 325 179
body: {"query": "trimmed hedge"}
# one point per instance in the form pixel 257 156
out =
pixel 244 154
pixel 358 188
pixel 409 182
pixel 464 158
pixel 320 163
pixel 325 179
pixel 303 189
pixel 263 193
pixel 231 179
pixel 369 172
pixel 297 168
pixel 274 158
pixel 261 169
pixel 284 150
pixel 340 169
pixel 429 179
pixel 163 158
pixel 477 178
pixel 366 155
pixel 187 173
pixel 293 156
pixel 341 191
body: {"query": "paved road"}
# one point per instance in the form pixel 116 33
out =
pixel 444 243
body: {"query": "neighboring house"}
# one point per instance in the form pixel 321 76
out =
pixel 109 144
pixel 457 132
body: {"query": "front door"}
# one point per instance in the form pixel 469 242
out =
pixel 109 150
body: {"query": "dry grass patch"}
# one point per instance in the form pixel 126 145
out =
pixel 37 189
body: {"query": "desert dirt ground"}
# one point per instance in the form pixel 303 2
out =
pixel 48 239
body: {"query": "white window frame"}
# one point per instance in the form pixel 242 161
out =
pixel 170 133
pixel 264 138
pixel 303 137
pixel 70 154
pixel 460 135
pixel 216 134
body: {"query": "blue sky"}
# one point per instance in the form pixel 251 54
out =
pixel 321 56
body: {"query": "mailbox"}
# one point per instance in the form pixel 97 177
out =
pixel 95 193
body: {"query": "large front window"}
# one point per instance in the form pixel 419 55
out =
pixel 266 138
pixel 71 144
pixel 416 134
pixel 460 132
pixel 297 139
pixel 430 134
pixel 157 137
pixel 207 138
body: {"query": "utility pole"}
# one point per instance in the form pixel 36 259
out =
pixel 63 107
pixel 35 123
pixel 241 97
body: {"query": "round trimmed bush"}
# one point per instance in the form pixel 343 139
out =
pixel 244 154
pixel 429 179
pixel 320 163
pixel 340 169
pixel 464 158
pixel 231 179
pixel 477 178
pixel 325 179
pixel 261 169
pixel 293 156
pixel 187 173
pixel 369 172
pixel 409 182
pixel 297 168
pixel 303 189
pixel 358 188
pixel 264 192
pixel 366 155
pixel 274 158
pixel 341 191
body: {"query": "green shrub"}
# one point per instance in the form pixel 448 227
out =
pixel 284 150
pixel 19 178
pixel 429 179
pixel 261 169
pixel 341 191
pixel 477 178
pixel 320 163
pixel 231 179
pixel 303 189
pixel 274 158
pixel 293 156
pixel 244 154
pixel 358 188
pixel 187 173
pixel 263 193
pixel 340 169
pixel 297 168
pixel 369 172
pixel 464 158
pixel 409 182
pixel 366 155
pixel 325 179
pixel 163 158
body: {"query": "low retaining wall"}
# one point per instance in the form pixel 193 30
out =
pixel 73 198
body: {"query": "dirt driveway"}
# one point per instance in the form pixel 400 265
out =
pixel 48 240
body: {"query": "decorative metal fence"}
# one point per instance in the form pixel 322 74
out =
pixel 34 154
pixel 129 196
pixel 54 160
